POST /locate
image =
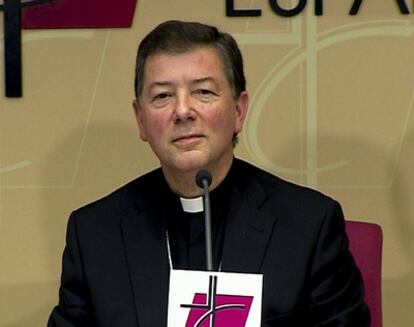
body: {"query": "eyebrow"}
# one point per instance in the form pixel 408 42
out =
pixel 207 79
pixel 204 79
pixel 195 81
pixel 161 83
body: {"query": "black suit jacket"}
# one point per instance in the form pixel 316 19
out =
pixel 116 270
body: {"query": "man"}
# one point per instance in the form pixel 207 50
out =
pixel 191 103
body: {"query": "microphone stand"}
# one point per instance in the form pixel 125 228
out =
pixel 203 180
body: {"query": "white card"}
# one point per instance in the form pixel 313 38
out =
pixel 214 299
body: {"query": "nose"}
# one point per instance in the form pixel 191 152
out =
pixel 184 110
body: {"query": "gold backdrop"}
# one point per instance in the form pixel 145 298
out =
pixel 331 108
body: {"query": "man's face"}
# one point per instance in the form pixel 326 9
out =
pixel 186 110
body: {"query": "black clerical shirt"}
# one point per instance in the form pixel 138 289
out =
pixel 186 231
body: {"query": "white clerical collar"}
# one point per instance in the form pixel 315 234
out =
pixel 193 205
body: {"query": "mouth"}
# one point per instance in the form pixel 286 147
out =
pixel 187 139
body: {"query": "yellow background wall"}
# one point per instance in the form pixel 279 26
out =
pixel 331 107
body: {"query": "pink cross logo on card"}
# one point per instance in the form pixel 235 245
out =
pixel 218 310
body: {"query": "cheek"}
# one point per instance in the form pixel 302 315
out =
pixel 154 126
pixel 223 122
pixel 216 119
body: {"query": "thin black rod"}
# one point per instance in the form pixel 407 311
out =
pixel 207 218
pixel 13 48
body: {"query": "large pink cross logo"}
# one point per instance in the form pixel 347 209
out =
pixel 218 310
pixel 40 14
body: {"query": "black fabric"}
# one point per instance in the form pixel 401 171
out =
pixel 13 48
pixel 116 271
pixel 187 230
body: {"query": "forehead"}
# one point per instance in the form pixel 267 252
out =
pixel 192 63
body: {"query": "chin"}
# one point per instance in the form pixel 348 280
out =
pixel 191 161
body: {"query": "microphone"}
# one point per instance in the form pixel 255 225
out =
pixel 203 175
pixel 203 180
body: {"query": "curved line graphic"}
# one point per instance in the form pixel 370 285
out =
pixel 35 3
pixel 30 3
pixel 364 25
pixel 281 70
pixel 30 36
pixel 14 167
pixel 219 308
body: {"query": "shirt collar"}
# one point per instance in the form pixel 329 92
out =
pixel 192 205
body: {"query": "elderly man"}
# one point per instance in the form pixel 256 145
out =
pixel 191 102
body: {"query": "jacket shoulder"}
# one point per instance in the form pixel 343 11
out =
pixel 276 186
pixel 281 196
pixel 121 201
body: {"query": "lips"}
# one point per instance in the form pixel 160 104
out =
pixel 187 138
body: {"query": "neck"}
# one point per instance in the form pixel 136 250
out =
pixel 183 182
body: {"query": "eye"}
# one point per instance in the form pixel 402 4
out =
pixel 205 94
pixel 204 91
pixel 161 99
pixel 162 96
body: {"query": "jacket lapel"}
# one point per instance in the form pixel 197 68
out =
pixel 249 229
pixel 146 252
pixel 248 233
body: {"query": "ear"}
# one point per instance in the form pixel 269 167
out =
pixel 140 119
pixel 242 104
